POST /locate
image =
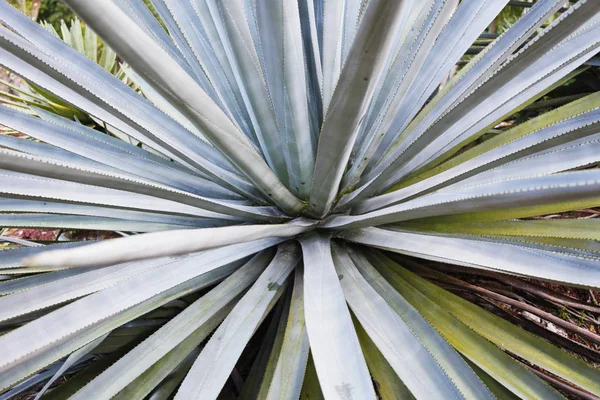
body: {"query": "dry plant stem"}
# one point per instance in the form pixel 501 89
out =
pixel 583 317
pixel 530 298
pixel 528 287
pixel 535 328
pixel 562 385
pixel 534 310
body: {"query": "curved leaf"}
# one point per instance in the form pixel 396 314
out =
pixel 339 362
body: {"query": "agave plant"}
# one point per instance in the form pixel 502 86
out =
pixel 30 97
pixel 296 145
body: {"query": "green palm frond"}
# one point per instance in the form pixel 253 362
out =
pixel 294 179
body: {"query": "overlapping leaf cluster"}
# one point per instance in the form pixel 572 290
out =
pixel 283 145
